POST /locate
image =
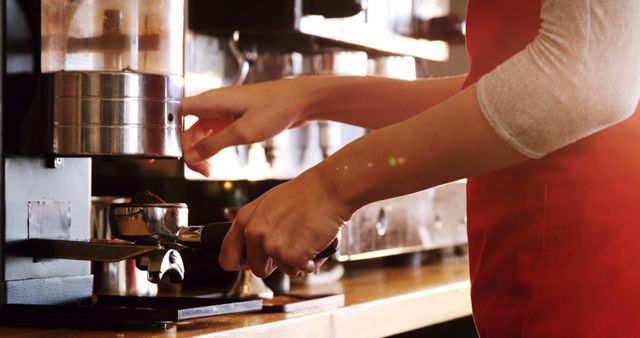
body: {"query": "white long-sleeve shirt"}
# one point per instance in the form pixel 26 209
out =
pixel 580 75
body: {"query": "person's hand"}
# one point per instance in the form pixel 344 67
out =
pixel 285 228
pixel 240 115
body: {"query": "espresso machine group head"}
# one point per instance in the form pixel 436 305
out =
pixel 80 79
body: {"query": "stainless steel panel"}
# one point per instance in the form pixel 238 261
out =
pixel 49 219
pixel 429 219
pixel 28 179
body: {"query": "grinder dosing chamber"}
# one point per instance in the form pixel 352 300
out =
pixel 114 76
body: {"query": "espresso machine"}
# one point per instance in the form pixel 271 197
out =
pixel 82 80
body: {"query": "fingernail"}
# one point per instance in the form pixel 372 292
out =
pixel 242 264
pixel 310 266
pixel 200 151
pixel 207 169
pixel 203 171
pixel 269 265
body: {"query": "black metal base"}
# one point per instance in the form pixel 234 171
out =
pixel 123 312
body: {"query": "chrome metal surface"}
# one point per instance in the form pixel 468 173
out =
pixel 161 262
pixel 249 285
pixel 49 219
pixel 115 114
pixel 156 260
pixel 243 63
pixel 190 234
pixel 93 251
pixel 100 205
pixel 425 220
pixel 121 278
pixel 145 222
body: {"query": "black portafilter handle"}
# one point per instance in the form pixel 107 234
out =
pixel 328 251
pixel 213 233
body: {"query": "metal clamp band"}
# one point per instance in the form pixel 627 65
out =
pixel 115 114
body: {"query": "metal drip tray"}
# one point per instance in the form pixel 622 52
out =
pixel 124 311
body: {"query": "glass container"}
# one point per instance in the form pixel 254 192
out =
pixel 143 36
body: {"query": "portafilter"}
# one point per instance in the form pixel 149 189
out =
pixel 163 223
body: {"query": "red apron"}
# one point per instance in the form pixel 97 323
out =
pixel 554 243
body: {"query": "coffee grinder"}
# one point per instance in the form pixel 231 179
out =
pixel 81 79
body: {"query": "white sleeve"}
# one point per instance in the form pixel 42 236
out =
pixel 580 75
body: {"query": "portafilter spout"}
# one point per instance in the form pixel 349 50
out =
pixel 156 260
pixel 160 263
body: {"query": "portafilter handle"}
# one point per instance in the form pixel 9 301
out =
pixel 208 235
pixel 329 250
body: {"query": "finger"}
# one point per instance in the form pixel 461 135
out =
pixel 198 131
pixel 217 103
pixel 309 267
pixel 257 258
pixel 201 129
pixel 261 264
pixel 296 262
pixel 299 124
pixel 289 270
pixel 317 263
pixel 195 133
pixel 232 251
pixel 204 168
pixel 212 144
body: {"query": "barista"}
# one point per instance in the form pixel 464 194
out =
pixel 541 126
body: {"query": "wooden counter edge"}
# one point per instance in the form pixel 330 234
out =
pixel 377 318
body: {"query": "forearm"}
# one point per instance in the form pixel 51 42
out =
pixel 450 141
pixel 374 102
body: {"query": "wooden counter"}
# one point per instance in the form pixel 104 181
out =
pixel 379 301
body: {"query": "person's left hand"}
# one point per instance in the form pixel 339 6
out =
pixel 285 228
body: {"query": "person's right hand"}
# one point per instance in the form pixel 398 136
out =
pixel 286 227
pixel 241 115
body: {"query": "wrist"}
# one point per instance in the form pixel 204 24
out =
pixel 313 94
pixel 324 96
pixel 333 190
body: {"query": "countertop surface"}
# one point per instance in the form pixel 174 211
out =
pixel 379 301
